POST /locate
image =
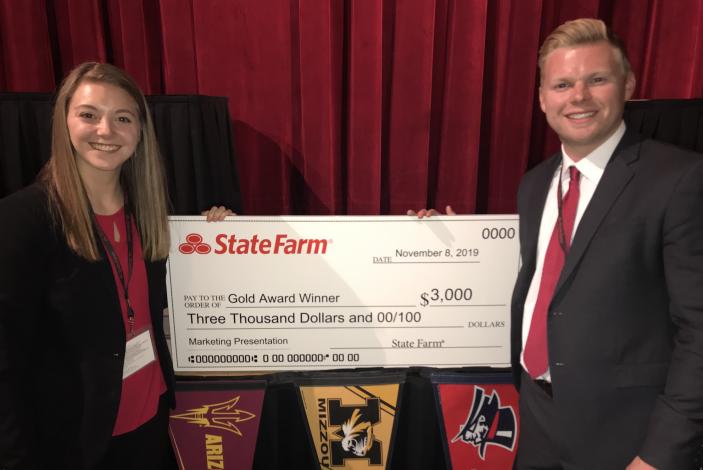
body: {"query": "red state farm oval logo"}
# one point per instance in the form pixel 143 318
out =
pixel 194 244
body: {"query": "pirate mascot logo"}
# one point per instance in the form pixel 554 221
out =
pixel 488 424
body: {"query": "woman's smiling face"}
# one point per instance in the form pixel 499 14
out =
pixel 104 126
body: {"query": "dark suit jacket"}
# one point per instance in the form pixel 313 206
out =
pixel 62 342
pixel 625 326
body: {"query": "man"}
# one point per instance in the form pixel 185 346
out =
pixel 607 311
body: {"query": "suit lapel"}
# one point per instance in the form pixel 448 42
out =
pixel 616 176
pixel 531 208
pixel 535 207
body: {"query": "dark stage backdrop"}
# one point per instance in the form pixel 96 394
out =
pixel 354 106
pixel 196 140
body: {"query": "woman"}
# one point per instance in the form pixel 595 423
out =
pixel 86 379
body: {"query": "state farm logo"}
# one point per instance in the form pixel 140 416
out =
pixel 231 244
pixel 194 244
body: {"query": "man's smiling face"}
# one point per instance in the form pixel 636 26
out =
pixel 583 94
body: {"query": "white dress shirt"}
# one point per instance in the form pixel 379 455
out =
pixel 591 168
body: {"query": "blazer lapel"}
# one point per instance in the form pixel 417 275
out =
pixel 535 207
pixel 615 178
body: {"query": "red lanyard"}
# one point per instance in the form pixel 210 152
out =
pixel 116 262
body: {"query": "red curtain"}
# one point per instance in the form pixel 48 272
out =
pixel 355 106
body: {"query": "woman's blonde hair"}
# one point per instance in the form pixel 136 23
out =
pixel 142 176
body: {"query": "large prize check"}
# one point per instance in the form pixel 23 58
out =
pixel 311 293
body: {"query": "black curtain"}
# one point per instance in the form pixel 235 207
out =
pixel 196 141
pixel 679 122
pixel 25 138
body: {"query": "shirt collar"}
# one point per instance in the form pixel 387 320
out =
pixel 593 165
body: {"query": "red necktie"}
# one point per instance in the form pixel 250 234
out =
pixel 536 355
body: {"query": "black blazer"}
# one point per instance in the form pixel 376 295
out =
pixel 625 326
pixel 62 342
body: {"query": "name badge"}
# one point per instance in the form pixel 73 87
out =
pixel 139 353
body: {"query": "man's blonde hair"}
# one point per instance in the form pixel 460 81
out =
pixel 580 32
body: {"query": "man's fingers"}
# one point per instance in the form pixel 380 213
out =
pixel 429 212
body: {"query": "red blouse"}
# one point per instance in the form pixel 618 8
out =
pixel 139 400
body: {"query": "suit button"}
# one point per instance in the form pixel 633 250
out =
pixel 116 355
pixel 557 314
pixel 559 364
